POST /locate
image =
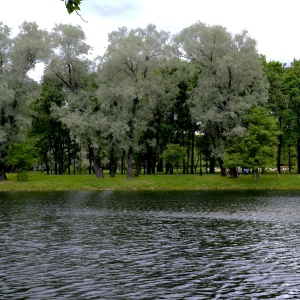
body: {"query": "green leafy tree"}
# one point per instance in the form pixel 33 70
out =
pixel 278 100
pixel 174 155
pixel 53 139
pixel 257 148
pixel 21 158
pixel 292 87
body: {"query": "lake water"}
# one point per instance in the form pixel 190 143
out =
pixel 149 245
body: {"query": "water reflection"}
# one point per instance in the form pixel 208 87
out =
pixel 149 245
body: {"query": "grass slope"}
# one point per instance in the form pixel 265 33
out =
pixel 42 181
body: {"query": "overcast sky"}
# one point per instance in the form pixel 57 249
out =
pixel 273 24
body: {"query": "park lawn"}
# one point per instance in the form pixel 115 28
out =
pixel 41 181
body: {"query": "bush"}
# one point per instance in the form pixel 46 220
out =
pixel 22 175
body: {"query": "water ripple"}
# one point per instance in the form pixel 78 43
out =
pixel 149 246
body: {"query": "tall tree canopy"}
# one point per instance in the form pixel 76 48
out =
pixel 18 56
pixel 230 80
pixel 138 78
pixel 148 90
pixel 278 102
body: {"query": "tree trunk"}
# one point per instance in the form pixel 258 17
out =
pixel 187 165
pixel 256 174
pixel 200 161
pixel 289 162
pixel 98 170
pixel 279 147
pixel 138 166
pixel 153 164
pixel 97 165
pixel 112 161
pixel 193 155
pixel 233 173
pixel 130 163
pixel 167 168
pixel 69 156
pixel 131 138
pixel 123 162
pixel 2 172
pixel 160 165
pixel 212 162
pixel 149 159
pixel 298 153
pixel 74 164
pixel 223 170
pixel 47 168
pixel 90 166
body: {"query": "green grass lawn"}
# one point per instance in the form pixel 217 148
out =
pixel 42 181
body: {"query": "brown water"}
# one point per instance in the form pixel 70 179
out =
pixel 149 245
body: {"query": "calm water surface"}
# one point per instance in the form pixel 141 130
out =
pixel 149 245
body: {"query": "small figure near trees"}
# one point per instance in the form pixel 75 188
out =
pixel 245 171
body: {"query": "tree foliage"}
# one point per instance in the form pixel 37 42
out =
pixel 173 155
pixel 138 77
pixel 257 148
pixel 148 92
pixel 18 56
pixel 230 79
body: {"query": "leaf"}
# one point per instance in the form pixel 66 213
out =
pixel 72 5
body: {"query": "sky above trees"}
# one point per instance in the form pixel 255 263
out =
pixel 273 24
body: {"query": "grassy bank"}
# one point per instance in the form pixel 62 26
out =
pixel 42 181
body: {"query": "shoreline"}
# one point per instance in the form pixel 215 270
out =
pixel 157 182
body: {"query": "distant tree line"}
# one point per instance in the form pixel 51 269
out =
pixel 204 89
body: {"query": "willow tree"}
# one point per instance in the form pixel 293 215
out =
pixel 17 57
pixel 230 80
pixel 137 81
pixel 71 66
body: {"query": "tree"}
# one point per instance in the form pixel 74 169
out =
pixel 230 80
pixel 278 99
pixel 292 89
pixel 51 135
pixel 71 67
pixel 18 57
pixel 21 157
pixel 69 62
pixel 137 82
pixel 174 155
pixel 257 148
